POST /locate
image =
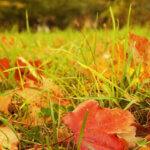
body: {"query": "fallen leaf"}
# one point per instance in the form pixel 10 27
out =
pixel 140 129
pixel 4 102
pixel 4 65
pixel 141 48
pixel 33 96
pixel 12 138
pixel 141 45
pixel 101 121
pixel 138 45
pixel 98 140
pixel 29 70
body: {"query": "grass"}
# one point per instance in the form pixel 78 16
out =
pixel 71 60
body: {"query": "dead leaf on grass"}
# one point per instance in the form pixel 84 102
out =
pixel 141 49
pixel 4 65
pixel 13 141
pixel 35 97
pixel 140 129
pixel 102 125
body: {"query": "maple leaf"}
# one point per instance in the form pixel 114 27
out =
pixel 31 70
pixel 4 65
pixel 98 140
pixel 102 123
pixel 141 48
pixel 37 64
pixel 28 71
pixel 34 97
pixel 141 43
pixel 20 71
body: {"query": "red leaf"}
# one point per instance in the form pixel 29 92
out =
pixel 109 120
pixel 4 65
pixel 26 71
pixel 100 122
pixel 19 63
pixel 98 140
pixel 38 65
pixel 78 114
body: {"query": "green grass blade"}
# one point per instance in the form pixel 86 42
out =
pixel 113 46
pixel 53 122
pixel 48 144
pixel 27 22
pixel 129 14
pixel 101 77
pixel 10 126
pixel 8 140
pixel 82 130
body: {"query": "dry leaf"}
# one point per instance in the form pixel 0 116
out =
pixel 140 129
pixel 4 102
pixel 140 46
pixel 141 49
pixel 34 98
pixel 12 138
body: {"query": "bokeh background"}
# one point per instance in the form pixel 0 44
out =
pixel 61 14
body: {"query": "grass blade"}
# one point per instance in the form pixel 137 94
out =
pixel 10 126
pixel 53 122
pixel 82 130
pixel 27 22
pixel 101 77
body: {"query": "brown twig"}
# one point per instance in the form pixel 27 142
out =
pixel 63 140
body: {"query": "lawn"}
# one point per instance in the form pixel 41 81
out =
pixel 45 76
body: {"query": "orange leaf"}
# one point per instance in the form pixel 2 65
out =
pixel 141 49
pixel 141 43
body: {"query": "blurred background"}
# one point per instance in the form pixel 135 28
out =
pixel 49 14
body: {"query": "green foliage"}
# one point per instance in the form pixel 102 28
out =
pixel 46 111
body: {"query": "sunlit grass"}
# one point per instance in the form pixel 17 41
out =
pixel 71 59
